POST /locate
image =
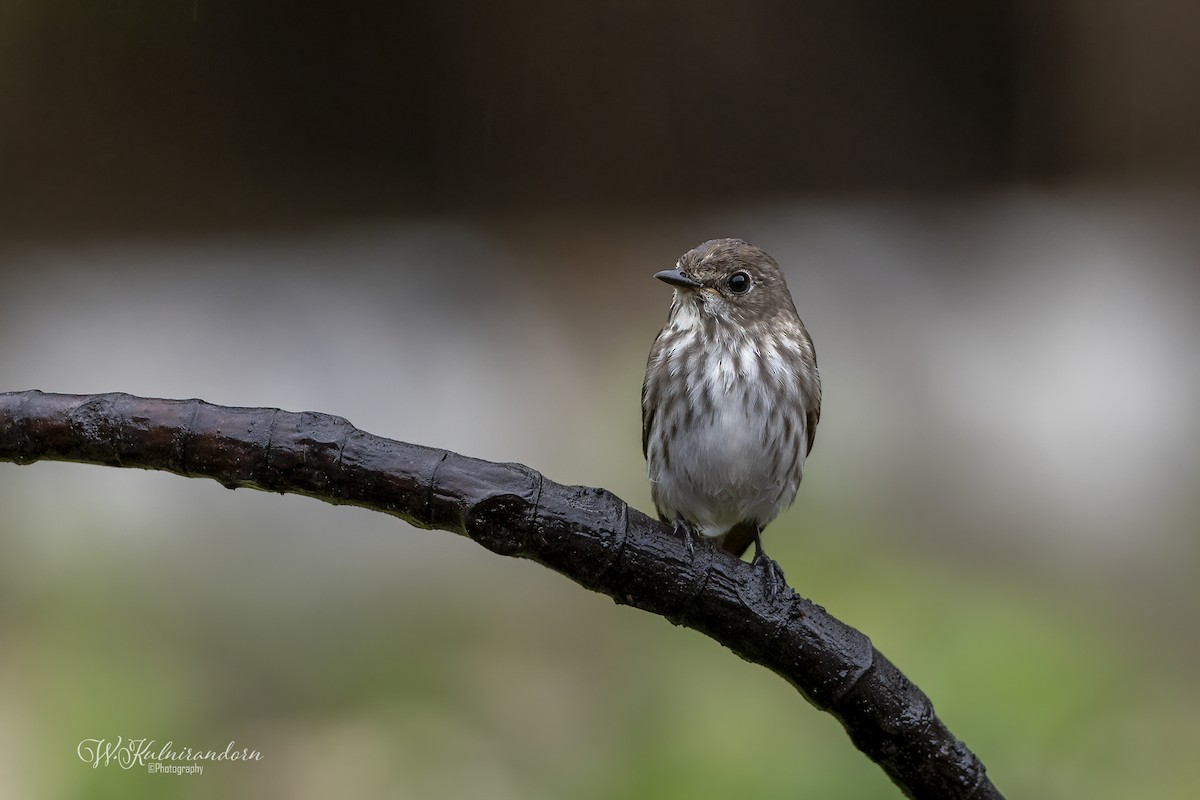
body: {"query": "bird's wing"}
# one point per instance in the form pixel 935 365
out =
pixel 649 404
pixel 647 417
pixel 811 419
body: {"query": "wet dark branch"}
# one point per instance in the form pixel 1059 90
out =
pixel 589 535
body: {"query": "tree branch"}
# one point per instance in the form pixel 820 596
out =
pixel 587 534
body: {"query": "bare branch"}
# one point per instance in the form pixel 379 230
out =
pixel 587 534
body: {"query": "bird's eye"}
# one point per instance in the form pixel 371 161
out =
pixel 738 283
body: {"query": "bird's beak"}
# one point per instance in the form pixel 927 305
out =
pixel 677 277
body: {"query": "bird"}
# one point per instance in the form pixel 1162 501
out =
pixel 731 398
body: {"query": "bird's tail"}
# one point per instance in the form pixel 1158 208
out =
pixel 737 540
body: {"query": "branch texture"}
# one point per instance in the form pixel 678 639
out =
pixel 587 534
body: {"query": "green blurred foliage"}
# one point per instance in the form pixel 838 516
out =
pixel 496 678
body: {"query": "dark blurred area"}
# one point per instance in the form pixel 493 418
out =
pixel 195 114
pixel 440 220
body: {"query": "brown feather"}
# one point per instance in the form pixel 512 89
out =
pixel 737 540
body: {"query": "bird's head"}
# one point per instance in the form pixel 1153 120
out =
pixel 730 280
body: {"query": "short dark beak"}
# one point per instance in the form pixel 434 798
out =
pixel 677 277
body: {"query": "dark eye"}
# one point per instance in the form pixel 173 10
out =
pixel 738 283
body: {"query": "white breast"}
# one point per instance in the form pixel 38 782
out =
pixel 732 459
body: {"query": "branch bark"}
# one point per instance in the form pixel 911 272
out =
pixel 587 534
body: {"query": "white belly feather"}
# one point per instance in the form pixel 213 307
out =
pixel 732 459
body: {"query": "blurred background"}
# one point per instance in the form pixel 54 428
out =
pixel 440 220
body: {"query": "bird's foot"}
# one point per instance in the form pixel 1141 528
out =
pixel 689 535
pixel 773 575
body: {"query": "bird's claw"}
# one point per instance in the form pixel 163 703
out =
pixel 689 536
pixel 773 575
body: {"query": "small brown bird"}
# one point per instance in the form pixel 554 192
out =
pixel 731 399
